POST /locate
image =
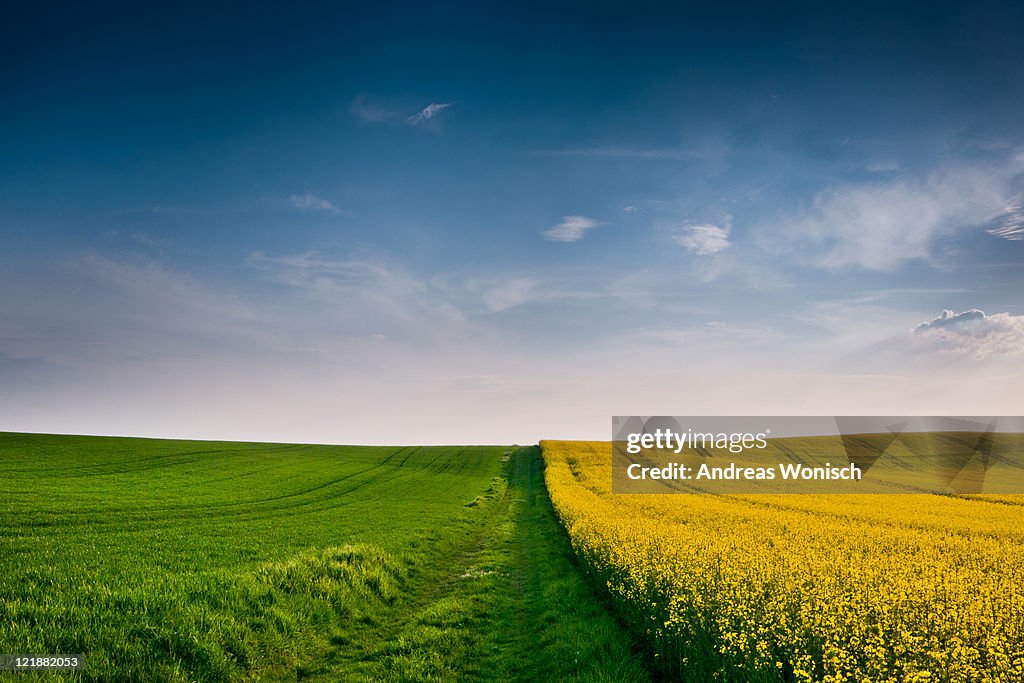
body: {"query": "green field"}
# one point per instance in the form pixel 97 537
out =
pixel 182 560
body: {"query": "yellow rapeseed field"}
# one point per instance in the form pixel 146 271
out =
pixel 803 587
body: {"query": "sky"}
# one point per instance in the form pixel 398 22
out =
pixel 502 222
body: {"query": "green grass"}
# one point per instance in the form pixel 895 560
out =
pixel 178 561
pixel 512 606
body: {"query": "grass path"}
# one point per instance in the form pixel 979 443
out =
pixel 506 604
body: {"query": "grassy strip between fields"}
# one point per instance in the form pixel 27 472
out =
pixel 511 606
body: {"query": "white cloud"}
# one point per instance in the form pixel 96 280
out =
pixel 307 201
pixel 704 240
pixel 879 226
pixel 630 209
pixel 950 319
pixel 974 333
pixel 571 229
pixel 428 112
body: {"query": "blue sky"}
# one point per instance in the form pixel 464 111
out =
pixel 445 223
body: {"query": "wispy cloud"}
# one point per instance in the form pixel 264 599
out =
pixel 93 310
pixel 571 229
pixel 974 333
pixel 880 226
pixel 307 201
pixel 428 112
pixel 376 111
pixel 510 294
pixel 367 294
pixel 321 275
pixel 1010 223
pixel 704 240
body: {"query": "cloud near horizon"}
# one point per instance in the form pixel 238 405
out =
pixel 974 333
